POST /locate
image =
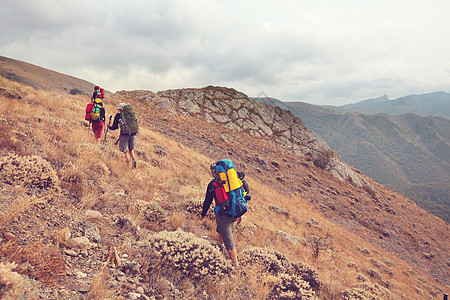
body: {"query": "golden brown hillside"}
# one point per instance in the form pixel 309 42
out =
pixel 41 78
pixel 75 224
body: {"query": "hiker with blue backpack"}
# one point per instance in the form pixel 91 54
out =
pixel 127 121
pixel 226 189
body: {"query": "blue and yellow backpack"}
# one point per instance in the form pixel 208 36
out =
pixel 228 189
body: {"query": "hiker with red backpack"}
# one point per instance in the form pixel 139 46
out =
pixel 127 121
pixel 226 189
pixel 98 93
pixel 95 114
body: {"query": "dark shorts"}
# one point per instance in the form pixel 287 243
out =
pixel 97 128
pixel 224 229
pixel 127 142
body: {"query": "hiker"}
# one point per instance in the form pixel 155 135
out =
pixel 223 220
pixel 98 93
pixel 97 118
pixel 127 138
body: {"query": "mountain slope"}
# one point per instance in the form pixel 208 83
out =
pixel 408 153
pixel 41 78
pixel 379 244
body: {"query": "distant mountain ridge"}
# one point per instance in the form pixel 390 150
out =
pixel 408 153
pixel 437 103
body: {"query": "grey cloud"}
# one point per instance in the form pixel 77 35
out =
pixel 292 50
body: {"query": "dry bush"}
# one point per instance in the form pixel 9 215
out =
pixel 15 199
pixel 292 280
pixel 254 283
pixel 8 140
pixel 37 261
pixel 177 220
pixel 72 181
pixel 318 240
pixel 100 288
pixel 184 252
pixel 30 171
pixel 278 210
pixel 156 216
pixel 15 286
pixel 194 206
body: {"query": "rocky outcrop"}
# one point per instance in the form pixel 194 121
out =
pixel 237 111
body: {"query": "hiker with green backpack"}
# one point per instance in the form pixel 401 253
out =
pixel 127 121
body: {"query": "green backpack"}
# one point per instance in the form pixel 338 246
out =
pixel 95 112
pixel 128 123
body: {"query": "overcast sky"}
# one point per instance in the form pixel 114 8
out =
pixel 321 52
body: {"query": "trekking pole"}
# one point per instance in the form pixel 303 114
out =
pixel 107 128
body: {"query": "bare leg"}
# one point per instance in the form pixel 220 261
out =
pixel 233 256
pixel 127 158
pixel 133 159
pixel 232 253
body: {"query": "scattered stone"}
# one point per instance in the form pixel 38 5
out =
pixel 84 253
pixel 71 252
pixel 84 289
pixel 92 232
pixel 93 214
pixel 134 296
pixel 79 274
pixel 81 242
pixel 224 138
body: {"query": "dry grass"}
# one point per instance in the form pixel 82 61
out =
pixel 100 288
pixel 45 261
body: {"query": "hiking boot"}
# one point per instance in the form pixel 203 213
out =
pixel 134 164
pixel 221 246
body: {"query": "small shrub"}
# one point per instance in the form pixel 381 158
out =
pixel 279 211
pixel 9 93
pixel 194 206
pixel 291 280
pixel 389 262
pixel 15 286
pixel 101 286
pixel 160 150
pixel 357 293
pixel 45 262
pixel 184 252
pixel 77 92
pixel 374 274
pixel 29 171
pixel 365 291
pixel 318 240
pixel 156 215
pixel 375 262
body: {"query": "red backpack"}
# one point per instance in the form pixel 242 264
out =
pixel 221 195
pixel 89 107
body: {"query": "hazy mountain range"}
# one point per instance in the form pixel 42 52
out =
pixel 437 103
pixel 402 143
